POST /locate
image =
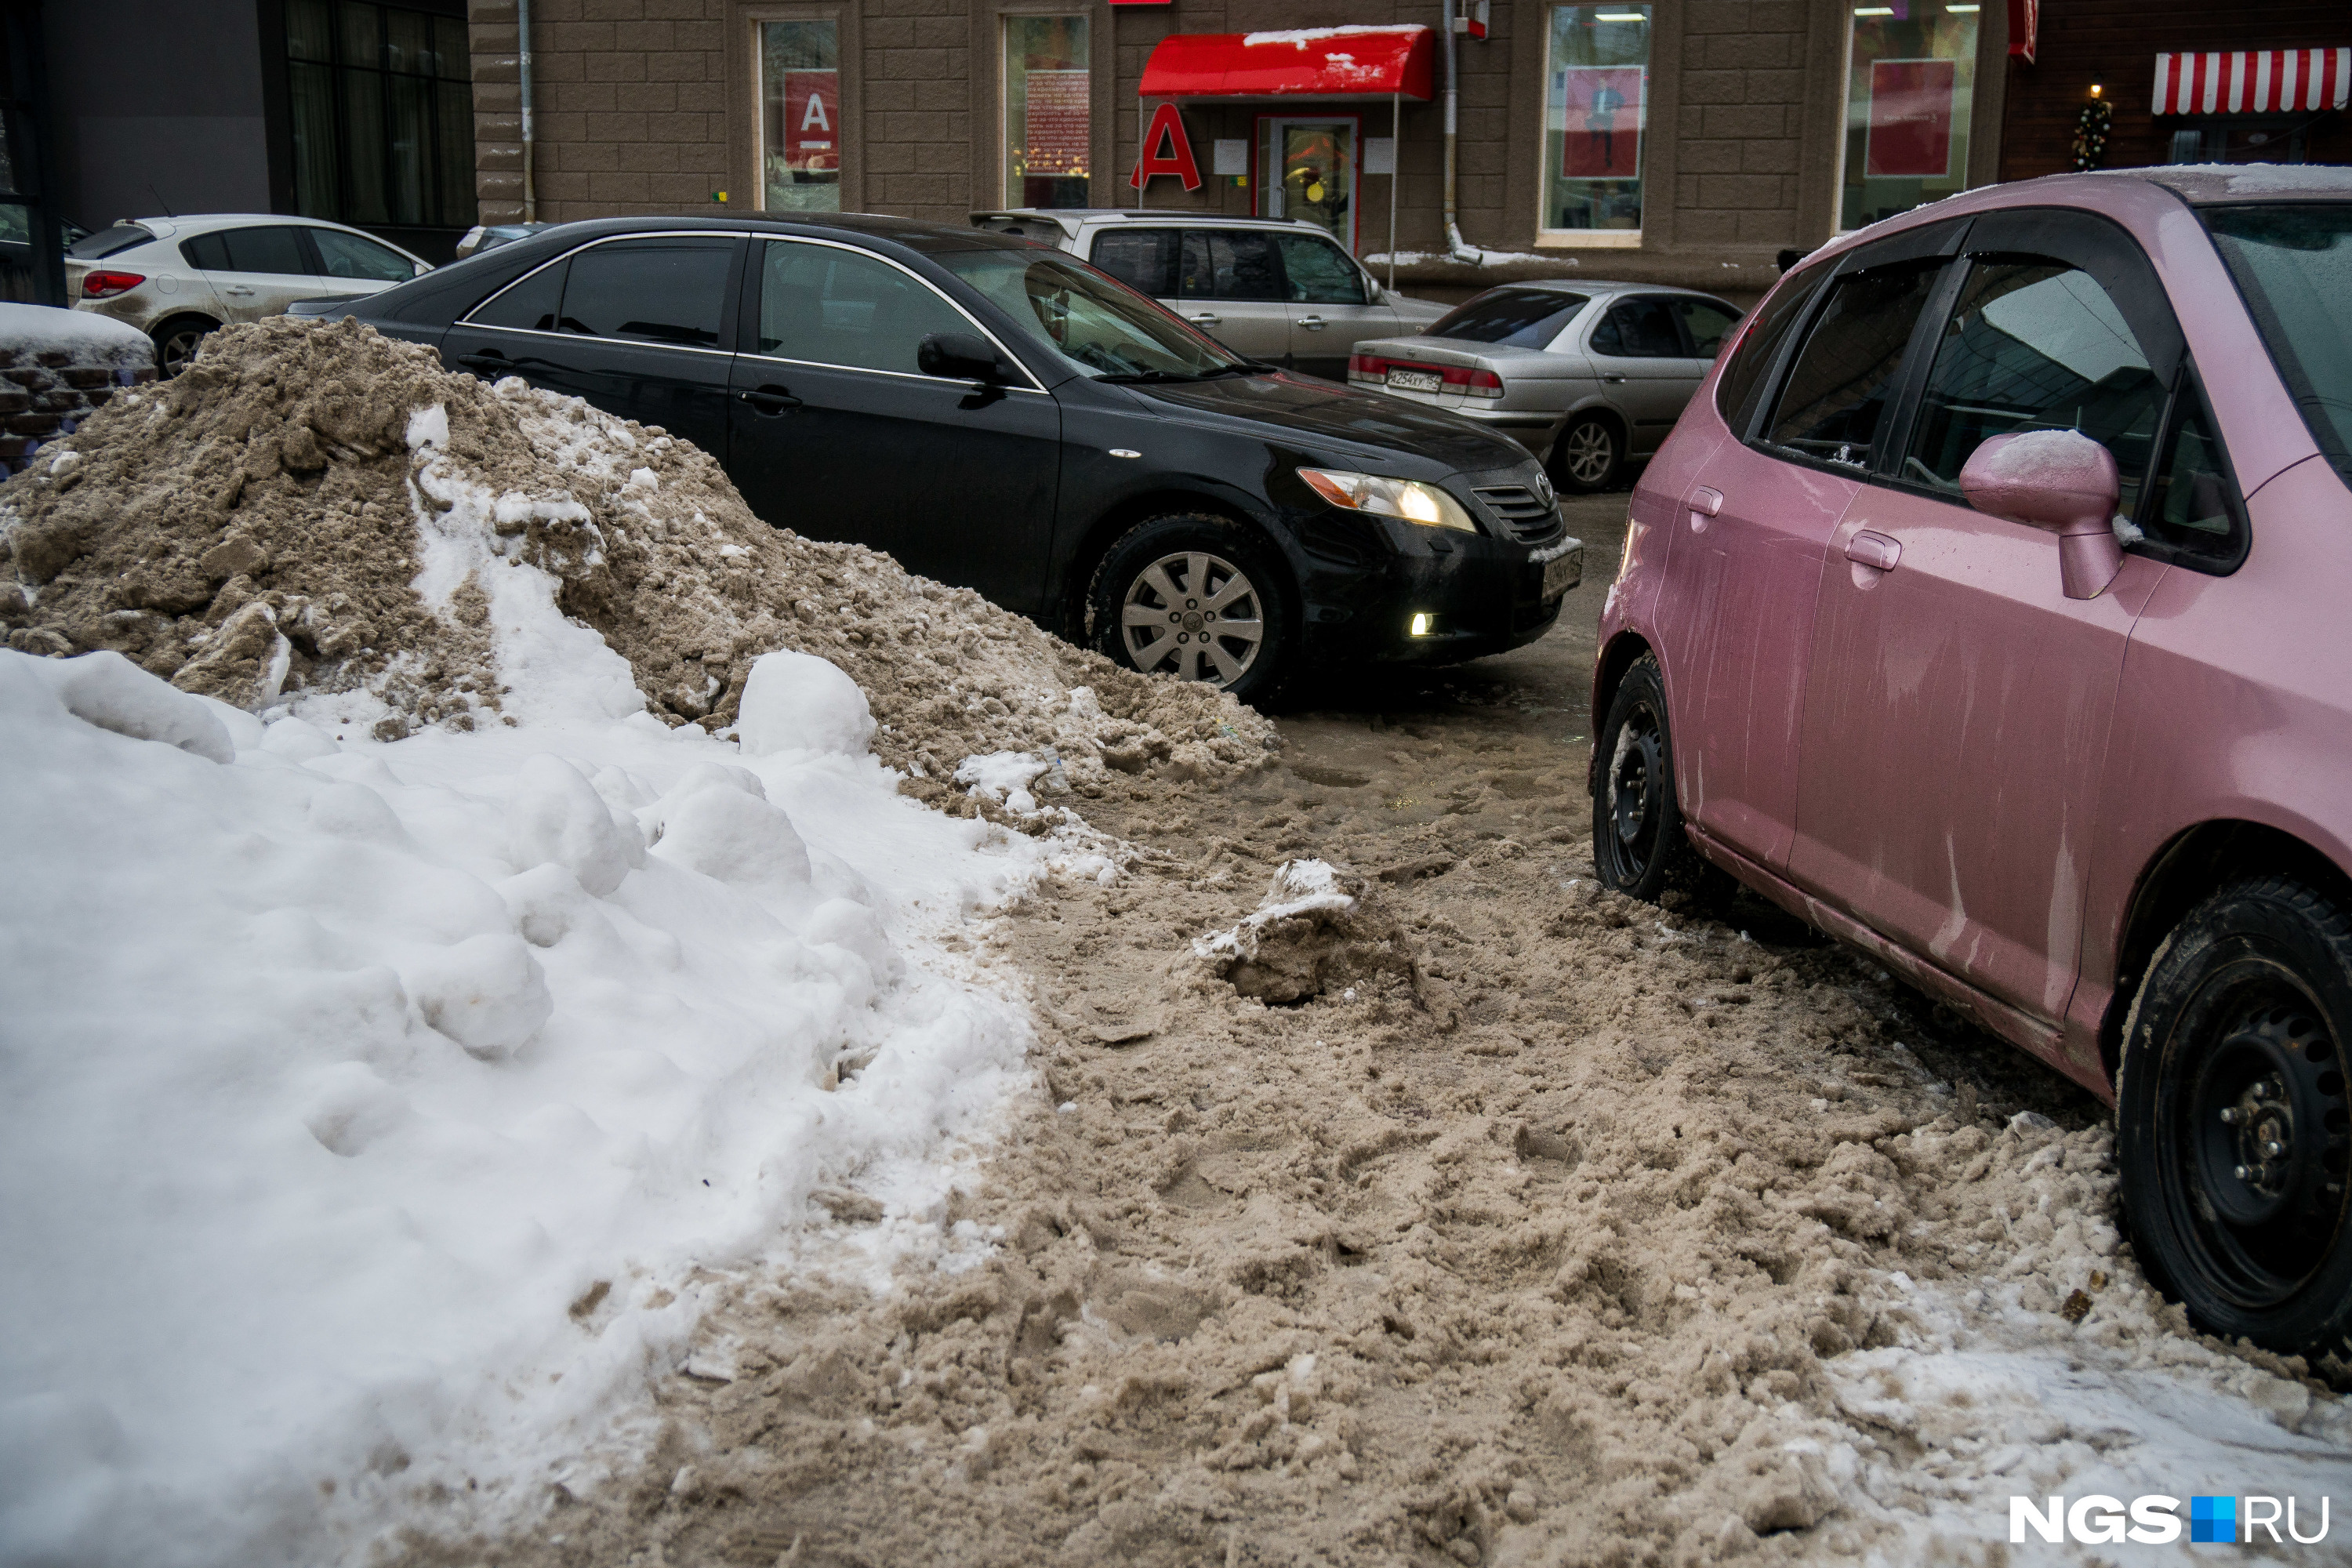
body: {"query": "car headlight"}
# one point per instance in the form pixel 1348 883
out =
pixel 1408 498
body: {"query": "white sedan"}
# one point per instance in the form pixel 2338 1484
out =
pixel 177 279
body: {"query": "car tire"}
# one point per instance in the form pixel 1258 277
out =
pixel 1639 846
pixel 2247 1011
pixel 1167 591
pixel 1588 458
pixel 177 341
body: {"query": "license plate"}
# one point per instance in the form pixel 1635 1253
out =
pixel 1416 380
pixel 1560 575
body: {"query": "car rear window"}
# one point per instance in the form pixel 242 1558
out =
pixel 1142 258
pixel 1511 318
pixel 2294 264
pixel 1753 351
pixel 273 249
pixel 107 241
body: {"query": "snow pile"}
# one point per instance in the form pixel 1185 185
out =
pixel 92 339
pixel 372 1107
pixel 311 509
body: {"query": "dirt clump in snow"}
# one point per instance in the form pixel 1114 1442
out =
pixel 310 509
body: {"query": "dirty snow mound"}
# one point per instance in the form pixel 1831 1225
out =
pixel 317 510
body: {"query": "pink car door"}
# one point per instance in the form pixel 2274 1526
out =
pixel 1755 524
pixel 1959 704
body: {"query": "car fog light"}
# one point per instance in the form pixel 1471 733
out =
pixel 1408 498
pixel 1422 625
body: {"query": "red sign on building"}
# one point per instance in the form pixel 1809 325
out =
pixel 812 116
pixel 1910 120
pixel 1167 132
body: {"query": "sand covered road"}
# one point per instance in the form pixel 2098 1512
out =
pixel 1503 1221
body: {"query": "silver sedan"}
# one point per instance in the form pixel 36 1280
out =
pixel 1586 376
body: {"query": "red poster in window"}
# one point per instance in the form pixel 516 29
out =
pixel 1603 105
pixel 812 116
pixel 1054 133
pixel 1910 120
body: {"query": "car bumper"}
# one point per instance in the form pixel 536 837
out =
pixel 1472 597
pixel 1532 429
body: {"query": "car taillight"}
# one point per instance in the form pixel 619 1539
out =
pixel 106 285
pixel 1456 377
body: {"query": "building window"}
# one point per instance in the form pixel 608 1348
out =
pixel 1910 69
pixel 1596 106
pixel 1048 121
pixel 382 104
pixel 800 117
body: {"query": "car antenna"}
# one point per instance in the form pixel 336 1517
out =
pixel 160 201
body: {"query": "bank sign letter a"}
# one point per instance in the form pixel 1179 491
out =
pixel 1166 152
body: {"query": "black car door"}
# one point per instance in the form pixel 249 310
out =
pixel 636 325
pixel 838 434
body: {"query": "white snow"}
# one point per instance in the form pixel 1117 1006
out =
pixel 90 337
pixel 799 703
pixel 1300 37
pixel 1003 776
pixel 1470 255
pixel 1298 888
pixel 365 1110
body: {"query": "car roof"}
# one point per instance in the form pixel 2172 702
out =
pixel 2206 182
pixel 915 234
pixel 1080 216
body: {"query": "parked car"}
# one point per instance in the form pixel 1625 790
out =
pixel 1278 290
pixel 178 279
pixel 1000 416
pixel 1586 376
pixel 1986 609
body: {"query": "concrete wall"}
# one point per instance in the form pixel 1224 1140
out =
pixel 174 122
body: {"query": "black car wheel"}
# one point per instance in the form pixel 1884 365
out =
pixel 177 341
pixel 1588 456
pixel 1639 846
pixel 2233 1128
pixel 1195 596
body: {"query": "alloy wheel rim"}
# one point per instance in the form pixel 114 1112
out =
pixel 1587 453
pixel 1194 609
pixel 2258 1135
pixel 180 351
pixel 1635 777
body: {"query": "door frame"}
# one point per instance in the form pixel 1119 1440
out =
pixel 1355 124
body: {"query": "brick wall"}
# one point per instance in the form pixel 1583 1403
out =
pixel 1739 128
pixel 44 393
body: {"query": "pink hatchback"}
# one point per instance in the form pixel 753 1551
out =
pixel 1991 609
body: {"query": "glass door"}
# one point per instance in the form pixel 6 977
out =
pixel 1307 169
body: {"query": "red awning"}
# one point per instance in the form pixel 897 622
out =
pixel 1310 62
pixel 2253 81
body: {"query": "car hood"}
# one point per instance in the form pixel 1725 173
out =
pixel 1325 411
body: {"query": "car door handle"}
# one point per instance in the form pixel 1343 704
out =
pixel 1203 320
pixel 1613 380
pixel 1875 550
pixel 239 289
pixel 770 400
pixel 1312 324
pixel 485 362
pixel 1704 502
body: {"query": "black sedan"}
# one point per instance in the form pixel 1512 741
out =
pixel 999 415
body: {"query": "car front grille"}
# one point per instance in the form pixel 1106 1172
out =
pixel 1525 515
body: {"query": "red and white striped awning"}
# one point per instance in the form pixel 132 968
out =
pixel 2253 81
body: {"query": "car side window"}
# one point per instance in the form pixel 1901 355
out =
pixel 1738 388
pixel 1708 324
pixel 1142 258
pixel 1233 264
pixel 1640 328
pixel 349 256
pixel 2191 503
pixel 669 290
pixel 275 248
pixel 1834 404
pixel 2034 344
pixel 1317 272
pixel 829 306
pixel 530 304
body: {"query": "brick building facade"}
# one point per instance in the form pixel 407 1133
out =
pixel 1726 146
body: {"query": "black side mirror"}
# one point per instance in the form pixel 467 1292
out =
pixel 961 356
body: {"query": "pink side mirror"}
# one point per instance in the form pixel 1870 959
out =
pixel 2061 480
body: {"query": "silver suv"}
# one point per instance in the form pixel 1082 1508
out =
pixel 1284 292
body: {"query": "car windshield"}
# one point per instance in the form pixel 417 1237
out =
pixel 2294 264
pixel 107 241
pixel 1102 327
pixel 1511 318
